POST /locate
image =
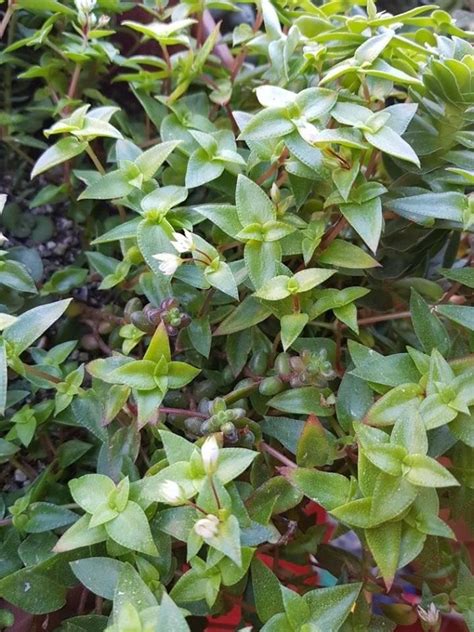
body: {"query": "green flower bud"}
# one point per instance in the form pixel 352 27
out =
pixel 270 386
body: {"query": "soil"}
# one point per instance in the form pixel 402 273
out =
pixel 64 237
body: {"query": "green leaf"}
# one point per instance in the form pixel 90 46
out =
pixel 348 315
pixel 460 314
pixel 80 535
pixel 253 205
pixel 384 544
pixel 232 462
pixel 287 431
pixel 222 215
pixel 275 289
pixel 44 5
pixel 33 591
pixel 138 374
pixel 16 276
pixel 159 346
pixel 227 541
pixel 177 448
pixel 330 607
pixel 411 545
pixel 151 160
pixel 248 313
pixel 131 588
pixel 356 513
pixel 311 277
pixel 460 275
pixel 100 575
pixel 180 374
pixel 221 277
pixel 373 47
pixel 63 150
pixel 391 497
pixel 399 403
pixel 165 33
pixel 31 324
pixel 267 124
pixel 199 332
pixel 291 327
pixel 428 328
pixel 131 530
pixel 301 401
pixel 88 413
pixel 202 169
pixel 391 143
pixel 346 255
pixel 170 616
pixel 110 186
pixel 445 205
pixel 366 219
pixel 326 488
pixel 387 458
pixel 426 472
pixel 266 590
pixel 354 398
pixel 262 260
pixel 91 491
pixel 46 517
pixel 388 370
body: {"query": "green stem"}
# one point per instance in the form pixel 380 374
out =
pixel 214 491
pixel 182 411
pixel 234 396
pixel 95 159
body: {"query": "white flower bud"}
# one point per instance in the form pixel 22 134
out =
pixel 172 493
pixel 169 262
pixel 3 201
pixel 85 6
pixel 207 527
pixel 210 454
pixel 103 21
pixel 183 243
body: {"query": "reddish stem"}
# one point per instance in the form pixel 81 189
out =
pixel 182 411
pixel 276 454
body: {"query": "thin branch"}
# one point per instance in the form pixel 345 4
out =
pixel 332 233
pixel 276 454
pixel 6 20
pixel 182 411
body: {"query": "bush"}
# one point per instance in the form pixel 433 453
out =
pixel 240 374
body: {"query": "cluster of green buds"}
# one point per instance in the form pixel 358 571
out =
pixel 221 419
pixel 309 368
pixel 149 317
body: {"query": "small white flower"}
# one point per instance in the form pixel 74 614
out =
pixel 172 493
pixel 183 243
pixel 207 527
pixel 210 454
pixel 430 616
pixel 169 263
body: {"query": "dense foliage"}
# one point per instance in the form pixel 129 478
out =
pixel 247 379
